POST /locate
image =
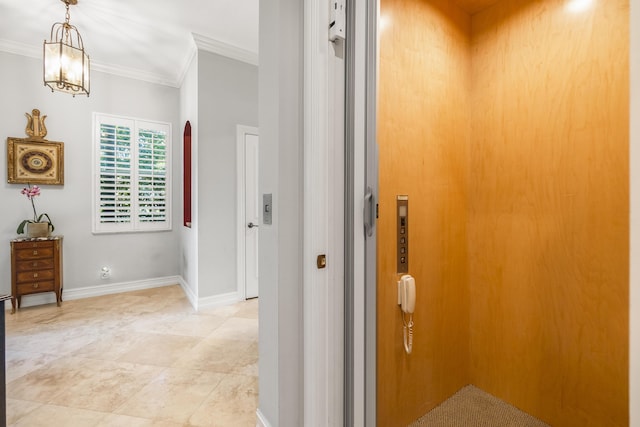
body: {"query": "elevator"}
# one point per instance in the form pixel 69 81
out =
pixel 506 125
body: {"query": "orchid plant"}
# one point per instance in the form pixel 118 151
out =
pixel 32 192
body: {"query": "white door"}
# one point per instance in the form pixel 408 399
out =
pixel 248 211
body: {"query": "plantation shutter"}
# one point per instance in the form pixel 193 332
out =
pixel 152 175
pixel 132 159
pixel 115 174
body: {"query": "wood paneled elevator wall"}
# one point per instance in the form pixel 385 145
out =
pixel 508 130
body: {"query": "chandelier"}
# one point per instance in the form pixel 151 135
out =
pixel 66 64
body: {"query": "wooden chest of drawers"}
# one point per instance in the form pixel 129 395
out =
pixel 36 266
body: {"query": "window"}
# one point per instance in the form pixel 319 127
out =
pixel 131 180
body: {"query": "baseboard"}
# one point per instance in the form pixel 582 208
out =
pixel 261 420
pixel 96 291
pixel 116 288
pixel 188 292
pixel 218 300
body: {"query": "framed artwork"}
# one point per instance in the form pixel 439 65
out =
pixel 35 161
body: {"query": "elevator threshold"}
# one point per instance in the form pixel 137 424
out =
pixel 472 407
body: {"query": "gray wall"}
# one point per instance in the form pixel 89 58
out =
pixel 227 97
pixel 132 256
pixel 280 263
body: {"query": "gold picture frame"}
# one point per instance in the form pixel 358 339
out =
pixel 35 161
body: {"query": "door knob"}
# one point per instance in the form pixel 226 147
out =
pixel 251 225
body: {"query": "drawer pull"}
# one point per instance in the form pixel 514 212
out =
pixel 35 286
pixel 35 275
pixel 35 264
pixel 35 252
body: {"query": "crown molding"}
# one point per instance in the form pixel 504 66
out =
pixel 201 42
pixel 224 49
pixel 132 73
pixel 22 49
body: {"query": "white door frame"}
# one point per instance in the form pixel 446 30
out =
pixel 323 211
pixel 241 260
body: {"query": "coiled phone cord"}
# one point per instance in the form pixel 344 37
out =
pixel 407 330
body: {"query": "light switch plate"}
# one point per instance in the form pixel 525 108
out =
pixel 267 209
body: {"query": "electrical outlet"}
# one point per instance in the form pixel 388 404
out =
pixel 105 272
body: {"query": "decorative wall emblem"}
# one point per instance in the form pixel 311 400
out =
pixel 35 160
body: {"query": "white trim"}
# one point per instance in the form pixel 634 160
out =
pixel 136 74
pixel 172 80
pixel 21 49
pixel 261 420
pixel 318 346
pixel 241 262
pixel 32 51
pixel 225 49
pixel 135 225
pixel 136 285
pixel 100 290
pixel 188 292
pixel 218 300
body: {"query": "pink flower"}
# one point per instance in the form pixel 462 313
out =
pixel 31 192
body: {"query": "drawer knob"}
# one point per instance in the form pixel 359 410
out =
pixel 35 275
pixel 35 264
pixel 35 252
pixel 35 286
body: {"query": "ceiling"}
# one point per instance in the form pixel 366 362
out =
pixel 131 38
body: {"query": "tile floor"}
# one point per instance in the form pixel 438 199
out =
pixel 135 359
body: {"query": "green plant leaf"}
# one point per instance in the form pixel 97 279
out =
pixel 20 229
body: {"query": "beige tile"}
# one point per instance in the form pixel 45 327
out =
pixel 106 385
pixel 248 309
pixel 20 363
pixel 111 346
pixel 237 328
pixel 53 378
pixel 52 341
pixel 159 349
pixel 234 400
pixel 17 409
pixel 59 416
pixel 132 359
pixel 247 362
pixel 173 395
pixel 215 355
pixel 115 420
pixel 197 325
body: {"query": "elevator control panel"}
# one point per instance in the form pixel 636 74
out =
pixel 402 234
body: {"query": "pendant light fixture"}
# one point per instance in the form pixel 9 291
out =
pixel 66 64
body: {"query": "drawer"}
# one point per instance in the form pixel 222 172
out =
pixel 31 276
pixel 35 287
pixel 34 253
pixel 36 264
pixel 40 244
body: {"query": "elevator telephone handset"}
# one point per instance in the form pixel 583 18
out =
pixel 407 293
pixel 407 303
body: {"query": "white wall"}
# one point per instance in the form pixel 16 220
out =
pixel 227 97
pixel 131 256
pixel 189 236
pixel 280 340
